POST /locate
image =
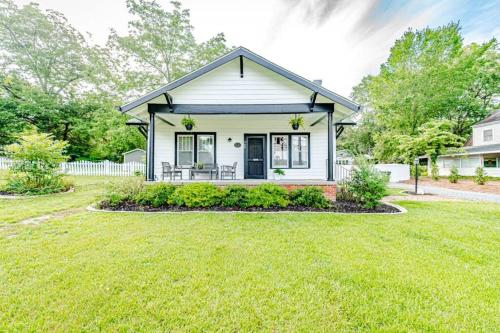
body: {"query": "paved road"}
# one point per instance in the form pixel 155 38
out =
pixel 446 192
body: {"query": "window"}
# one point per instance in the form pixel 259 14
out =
pixel 300 151
pixel 206 149
pixel 280 151
pixel 490 162
pixel 193 148
pixel 290 151
pixel 488 135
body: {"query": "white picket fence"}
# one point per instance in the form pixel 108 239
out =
pixel 87 168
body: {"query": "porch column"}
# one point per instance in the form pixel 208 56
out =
pixel 330 146
pixel 150 153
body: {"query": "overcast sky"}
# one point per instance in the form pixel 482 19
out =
pixel 338 41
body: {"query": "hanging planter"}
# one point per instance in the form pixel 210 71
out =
pixel 296 122
pixel 188 122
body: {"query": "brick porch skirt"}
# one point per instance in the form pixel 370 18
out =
pixel 330 190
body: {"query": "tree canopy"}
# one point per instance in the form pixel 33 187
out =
pixel 52 78
pixel 431 84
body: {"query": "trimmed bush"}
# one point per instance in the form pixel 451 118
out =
pixel 234 196
pixel 480 178
pixel 367 185
pixel 155 195
pixel 453 177
pixel 309 197
pixel 123 190
pixel 196 195
pixel 36 165
pixel 267 196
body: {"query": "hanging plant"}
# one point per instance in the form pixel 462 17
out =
pixel 188 122
pixel 296 122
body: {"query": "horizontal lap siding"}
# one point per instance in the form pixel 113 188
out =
pixel 225 86
pixel 234 127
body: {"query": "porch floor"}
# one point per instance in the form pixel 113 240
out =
pixel 283 182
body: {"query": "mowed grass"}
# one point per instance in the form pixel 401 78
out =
pixel 434 269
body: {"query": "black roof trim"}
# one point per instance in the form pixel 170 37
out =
pixel 241 51
pixel 241 108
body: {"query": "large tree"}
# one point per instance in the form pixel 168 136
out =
pixel 160 46
pixel 430 75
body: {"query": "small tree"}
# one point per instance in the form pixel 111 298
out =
pixel 36 162
pixel 453 177
pixel 480 178
pixel 434 171
pixel 367 185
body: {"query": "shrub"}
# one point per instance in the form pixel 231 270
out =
pixel 343 193
pixel 434 171
pixel 123 190
pixel 479 178
pixel 422 171
pixel 36 165
pixel 196 195
pixel 266 196
pixel 367 185
pixel 155 195
pixel 453 177
pixel 309 196
pixel 234 196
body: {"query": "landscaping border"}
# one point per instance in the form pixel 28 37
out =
pixel 93 208
pixel 12 197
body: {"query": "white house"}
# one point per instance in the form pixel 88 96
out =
pixel 484 150
pixel 242 104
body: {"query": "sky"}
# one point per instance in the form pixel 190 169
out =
pixel 338 41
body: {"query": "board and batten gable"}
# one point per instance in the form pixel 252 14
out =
pixel 235 127
pixel 224 85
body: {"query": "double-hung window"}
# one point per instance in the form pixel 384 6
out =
pixel 290 151
pixel 195 148
pixel 488 135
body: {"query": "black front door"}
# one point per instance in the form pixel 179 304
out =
pixel 255 156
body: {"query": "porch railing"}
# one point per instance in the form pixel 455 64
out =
pixel 342 173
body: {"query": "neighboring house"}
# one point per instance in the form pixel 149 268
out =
pixel 242 104
pixel 135 155
pixel 484 150
pixel 344 157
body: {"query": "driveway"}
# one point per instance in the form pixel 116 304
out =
pixel 454 194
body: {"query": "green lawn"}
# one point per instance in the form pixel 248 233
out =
pixel 434 269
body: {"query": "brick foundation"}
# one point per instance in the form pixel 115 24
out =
pixel 330 190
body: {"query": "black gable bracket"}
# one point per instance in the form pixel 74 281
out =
pixel 241 66
pixel 170 101
pixel 143 131
pixel 165 121
pixel 318 120
pixel 339 131
pixel 313 101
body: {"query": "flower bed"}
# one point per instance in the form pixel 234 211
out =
pixel 137 196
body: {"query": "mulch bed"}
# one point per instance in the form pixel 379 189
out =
pixel 336 207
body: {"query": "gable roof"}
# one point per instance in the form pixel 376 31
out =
pixel 133 150
pixel 494 117
pixel 243 52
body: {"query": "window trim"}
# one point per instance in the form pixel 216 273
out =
pixel 290 148
pixel 484 137
pixel 195 144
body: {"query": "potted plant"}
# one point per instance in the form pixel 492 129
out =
pixel 188 122
pixel 296 122
pixel 198 165
pixel 278 173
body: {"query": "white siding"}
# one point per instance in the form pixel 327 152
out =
pixel 234 127
pixel 224 85
pixel 477 134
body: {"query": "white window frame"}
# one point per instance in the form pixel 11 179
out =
pixel 490 135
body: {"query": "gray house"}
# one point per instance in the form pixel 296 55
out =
pixel 135 155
